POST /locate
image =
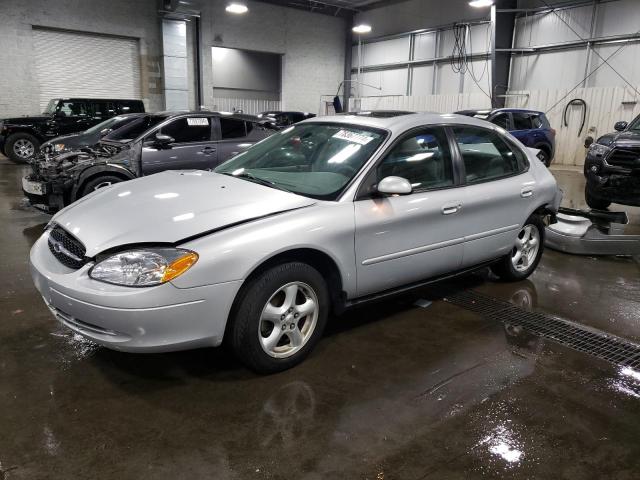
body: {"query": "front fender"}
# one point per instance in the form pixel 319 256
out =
pixel 98 169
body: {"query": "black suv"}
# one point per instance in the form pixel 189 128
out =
pixel 612 167
pixel 21 137
pixel 151 143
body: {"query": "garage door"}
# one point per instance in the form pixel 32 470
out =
pixel 70 64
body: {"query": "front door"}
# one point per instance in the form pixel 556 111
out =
pixel 192 147
pixel 404 239
pixel 73 117
pixel 233 137
pixel 499 189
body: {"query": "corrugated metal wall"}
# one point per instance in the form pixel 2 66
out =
pixel 252 107
pixel 427 103
pixel 604 108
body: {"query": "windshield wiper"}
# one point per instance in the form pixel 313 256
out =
pixel 261 181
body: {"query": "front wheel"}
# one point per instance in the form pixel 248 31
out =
pixel 22 147
pixel 279 317
pixel 525 254
pixel 97 183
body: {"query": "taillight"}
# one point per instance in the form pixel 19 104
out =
pixel 553 132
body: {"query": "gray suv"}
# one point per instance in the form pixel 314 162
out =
pixel 327 214
pixel 149 144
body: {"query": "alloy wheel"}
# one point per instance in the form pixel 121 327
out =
pixel 526 248
pixel 288 319
pixel 23 148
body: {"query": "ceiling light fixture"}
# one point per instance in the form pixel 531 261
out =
pixel 362 28
pixel 237 8
pixel 481 3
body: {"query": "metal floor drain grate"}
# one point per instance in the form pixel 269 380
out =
pixel 584 339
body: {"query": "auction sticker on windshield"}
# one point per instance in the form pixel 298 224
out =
pixel 198 122
pixel 354 137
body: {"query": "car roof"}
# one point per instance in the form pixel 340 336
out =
pixel 402 122
pixel 84 99
pixel 489 111
pixel 238 116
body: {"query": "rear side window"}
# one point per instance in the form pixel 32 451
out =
pixel 501 120
pixel 422 158
pixel 104 109
pixel 232 128
pixel 544 121
pixel 486 155
pixel 522 121
pixel 189 129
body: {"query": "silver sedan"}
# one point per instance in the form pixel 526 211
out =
pixel 326 214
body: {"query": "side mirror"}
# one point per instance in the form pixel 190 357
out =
pixel 394 186
pixel 620 126
pixel 162 140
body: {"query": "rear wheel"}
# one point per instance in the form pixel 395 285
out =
pixel 97 183
pixel 525 254
pixel 544 157
pixel 22 147
pixel 594 202
pixel 279 317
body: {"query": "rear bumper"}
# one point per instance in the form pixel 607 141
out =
pixel 155 319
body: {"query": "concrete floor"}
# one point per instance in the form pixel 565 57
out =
pixel 393 391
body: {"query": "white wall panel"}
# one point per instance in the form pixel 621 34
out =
pixel 387 51
pixel 547 70
pixel 626 61
pixel 386 82
pixel 422 80
pixel 448 82
pixel 481 70
pixel 546 28
pixel 618 18
pixel 427 103
pixel 424 46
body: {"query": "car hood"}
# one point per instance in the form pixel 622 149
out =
pixel 26 119
pixel 75 140
pixel 169 207
pixel 622 139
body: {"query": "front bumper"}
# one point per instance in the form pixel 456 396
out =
pixel 52 197
pixel 153 319
pixel 615 187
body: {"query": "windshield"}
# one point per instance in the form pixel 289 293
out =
pixel 51 106
pixel 635 124
pixel 107 124
pixel 135 129
pixel 316 160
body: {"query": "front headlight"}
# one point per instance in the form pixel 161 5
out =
pixel 144 267
pixel 58 147
pixel 598 150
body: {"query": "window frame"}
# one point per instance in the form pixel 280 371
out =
pixel 507 140
pixel 509 116
pixel 365 190
pixel 523 114
pixel 148 137
pixel 218 131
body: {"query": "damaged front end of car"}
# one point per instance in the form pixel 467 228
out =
pixel 55 180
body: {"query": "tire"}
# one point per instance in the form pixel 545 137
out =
pixel 22 147
pixel 523 258
pixel 267 331
pixel 594 202
pixel 98 182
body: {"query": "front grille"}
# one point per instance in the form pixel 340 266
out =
pixel 624 157
pixel 67 249
pixel 578 337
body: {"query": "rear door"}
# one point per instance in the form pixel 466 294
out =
pixel 405 239
pixel 73 116
pixel 193 147
pixel 499 191
pixel 233 137
pixel 523 128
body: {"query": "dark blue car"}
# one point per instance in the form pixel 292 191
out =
pixel 529 126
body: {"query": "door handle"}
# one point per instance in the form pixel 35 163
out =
pixel 450 209
pixel 208 150
pixel 526 192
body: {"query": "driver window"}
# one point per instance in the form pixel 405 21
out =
pixel 73 109
pixel 422 158
pixel 188 130
pixel 501 120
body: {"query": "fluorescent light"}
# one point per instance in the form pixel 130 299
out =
pixel 237 8
pixel 362 28
pixel 481 3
